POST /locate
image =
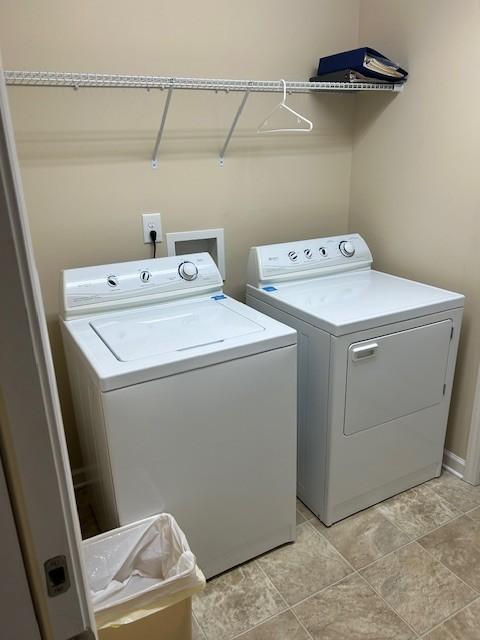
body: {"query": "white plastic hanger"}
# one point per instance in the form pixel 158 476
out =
pixel 283 105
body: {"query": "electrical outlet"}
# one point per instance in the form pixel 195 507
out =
pixel 151 222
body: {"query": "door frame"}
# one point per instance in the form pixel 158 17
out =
pixel 471 473
pixel 20 620
pixel 32 439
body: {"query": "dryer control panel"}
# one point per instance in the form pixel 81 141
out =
pixel 125 284
pixel 307 258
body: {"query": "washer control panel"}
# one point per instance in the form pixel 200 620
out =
pixel 139 282
pixel 305 258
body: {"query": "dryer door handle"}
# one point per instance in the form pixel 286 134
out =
pixel 365 351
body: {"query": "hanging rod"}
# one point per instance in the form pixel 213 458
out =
pixel 78 80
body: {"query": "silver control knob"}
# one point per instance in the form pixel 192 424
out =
pixel 188 271
pixel 346 248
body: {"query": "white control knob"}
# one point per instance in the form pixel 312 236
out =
pixel 293 255
pixel 346 248
pixel 188 271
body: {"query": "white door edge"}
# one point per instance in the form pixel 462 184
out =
pixel 472 462
pixel 32 433
pixel 19 617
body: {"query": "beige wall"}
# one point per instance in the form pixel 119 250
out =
pixel 415 192
pixel 85 155
pixel 416 164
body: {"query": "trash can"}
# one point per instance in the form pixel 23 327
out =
pixel 142 577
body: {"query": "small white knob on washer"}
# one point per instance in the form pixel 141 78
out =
pixel 145 275
pixel 188 271
pixel 347 248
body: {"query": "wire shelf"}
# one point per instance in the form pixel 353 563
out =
pixel 115 81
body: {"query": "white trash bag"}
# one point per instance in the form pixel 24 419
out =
pixel 139 569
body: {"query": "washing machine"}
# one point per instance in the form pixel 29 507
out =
pixel 185 401
pixel 376 359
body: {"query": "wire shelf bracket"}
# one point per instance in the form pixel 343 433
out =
pixel 232 128
pixel 160 131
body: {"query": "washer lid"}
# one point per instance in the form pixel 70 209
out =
pixel 150 332
pixel 354 301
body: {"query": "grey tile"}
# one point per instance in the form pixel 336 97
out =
pixel 304 567
pixel 304 510
pixel 440 633
pixel 351 610
pixel 318 524
pixel 418 587
pixel 197 633
pixel 236 601
pixel 462 495
pixel 457 545
pixel 475 514
pixel 418 510
pixel 283 627
pixel 465 625
pixel 364 537
pixel 300 518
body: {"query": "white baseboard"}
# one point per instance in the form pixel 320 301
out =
pixel 453 463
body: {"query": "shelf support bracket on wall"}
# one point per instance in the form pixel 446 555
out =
pixel 232 128
pixel 160 131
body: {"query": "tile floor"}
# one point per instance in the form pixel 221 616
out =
pixel 406 568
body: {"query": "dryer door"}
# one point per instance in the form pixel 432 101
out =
pixel 395 375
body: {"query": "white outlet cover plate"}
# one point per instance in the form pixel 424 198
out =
pixel 151 222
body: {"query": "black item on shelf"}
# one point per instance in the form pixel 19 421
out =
pixel 365 63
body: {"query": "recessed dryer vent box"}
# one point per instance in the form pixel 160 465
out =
pixel 210 240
